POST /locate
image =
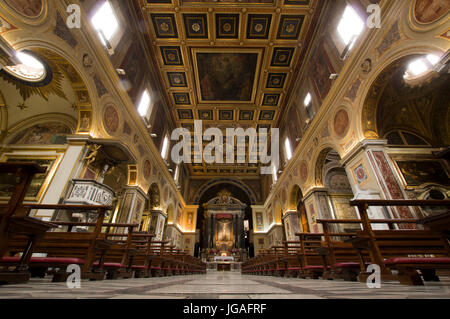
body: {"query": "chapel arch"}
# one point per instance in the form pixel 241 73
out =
pixel 393 103
pixel 296 203
pixel 337 192
pixel 412 114
pixel 64 81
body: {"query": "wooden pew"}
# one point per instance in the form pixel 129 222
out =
pixel 277 265
pixel 344 260
pixel 14 221
pixel 313 265
pixel 117 261
pixel 157 258
pixel 142 259
pixel 65 247
pixel 395 249
pixel 290 258
pixel 256 265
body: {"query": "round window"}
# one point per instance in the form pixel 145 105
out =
pixel 32 69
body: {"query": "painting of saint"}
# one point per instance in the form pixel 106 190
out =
pixel 37 183
pixel 320 71
pixel 111 119
pixel 29 8
pixel 226 76
pixel 42 134
pixel 259 221
pixel 190 219
pixel 417 173
pixel 132 63
pixel 85 122
pixel 341 122
pixel 224 234
pixel 179 216
pixel 428 11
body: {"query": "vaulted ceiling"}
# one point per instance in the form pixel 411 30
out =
pixel 228 63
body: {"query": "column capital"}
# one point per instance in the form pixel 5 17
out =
pixel 313 191
pixel 135 188
pixel 361 147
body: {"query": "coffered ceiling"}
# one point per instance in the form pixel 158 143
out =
pixel 228 63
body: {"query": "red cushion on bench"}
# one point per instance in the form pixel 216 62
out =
pixel 57 260
pixel 139 267
pixel 111 265
pixel 313 268
pixel 10 260
pixel 297 268
pixel 347 265
pixel 46 260
pixel 417 260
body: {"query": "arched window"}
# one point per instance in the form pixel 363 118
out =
pixel 274 174
pixel 31 69
pixel 287 149
pixel 349 29
pixel 404 138
pixel 176 175
pixel 165 148
pixel 106 24
pixel 420 66
pixel 144 105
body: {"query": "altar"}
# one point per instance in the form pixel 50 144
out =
pixel 224 235
pixel 223 258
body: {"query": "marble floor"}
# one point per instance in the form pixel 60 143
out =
pixel 222 285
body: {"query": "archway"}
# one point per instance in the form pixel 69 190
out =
pixel 236 192
pixel 412 113
pixel 151 215
pixel 296 203
pixel 417 106
pixel 333 201
pixel 63 91
pixel 243 188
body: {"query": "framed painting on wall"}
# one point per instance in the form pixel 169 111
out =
pixel 259 221
pixel 416 173
pixel 320 71
pixel 40 182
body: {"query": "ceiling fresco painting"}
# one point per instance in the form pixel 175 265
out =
pixel 226 77
pixel 231 66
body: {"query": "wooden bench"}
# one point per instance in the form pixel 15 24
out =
pixel 142 259
pixel 344 260
pixel 261 264
pixel 313 264
pixel 403 250
pixel 14 220
pixel 65 247
pixel 117 260
pixel 290 258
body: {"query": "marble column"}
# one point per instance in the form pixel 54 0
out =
pixel 132 206
pixel 207 231
pixel 235 230
pixel 213 231
pixel 373 175
pixel 241 231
